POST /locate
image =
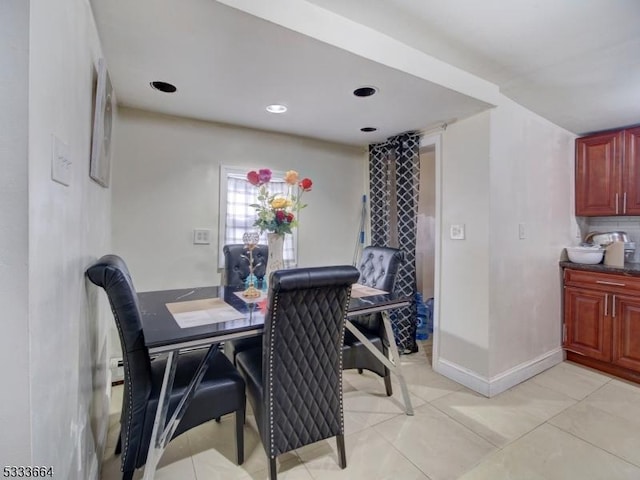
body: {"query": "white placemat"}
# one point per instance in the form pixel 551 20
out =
pixel 195 313
pixel 358 290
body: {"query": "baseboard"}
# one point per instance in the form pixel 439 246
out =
pixel 524 371
pixel 461 375
pixel 490 387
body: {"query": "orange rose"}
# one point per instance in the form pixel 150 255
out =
pixel 291 177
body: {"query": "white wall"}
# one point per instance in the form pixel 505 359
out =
pixel 532 165
pixel 464 272
pixel 68 228
pixel 166 183
pixel 500 300
pixel 15 447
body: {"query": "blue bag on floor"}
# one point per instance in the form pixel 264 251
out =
pixel 422 332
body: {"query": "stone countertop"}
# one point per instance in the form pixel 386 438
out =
pixel 632 269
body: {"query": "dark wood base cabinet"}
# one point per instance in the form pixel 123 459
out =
pixel 602 322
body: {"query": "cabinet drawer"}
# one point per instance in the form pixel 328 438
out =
pixel 602 281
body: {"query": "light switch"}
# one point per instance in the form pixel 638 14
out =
pixel 201 236
pixel 522 234
pixel 60 162
pixel 456 232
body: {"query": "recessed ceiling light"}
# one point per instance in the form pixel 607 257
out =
pixel 368 129
pixel 275 108
pixel 365 91
pixel 164 87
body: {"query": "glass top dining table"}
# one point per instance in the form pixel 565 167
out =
pixel 162 333
pixel 165 337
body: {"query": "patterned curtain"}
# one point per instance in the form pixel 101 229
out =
pixel 394 172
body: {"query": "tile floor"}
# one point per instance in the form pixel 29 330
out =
pixel 569 422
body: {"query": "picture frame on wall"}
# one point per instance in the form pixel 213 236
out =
pixel 100 164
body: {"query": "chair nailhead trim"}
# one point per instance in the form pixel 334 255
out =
pixel 271 343
pixel 346 307
pixel 125 447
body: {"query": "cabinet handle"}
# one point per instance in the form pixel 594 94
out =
pixel 624 203
pixel 617 203
pixel 613 307
pixel 603 282
pixel 606 305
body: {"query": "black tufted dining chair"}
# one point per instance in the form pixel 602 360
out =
pixel 221 391
pixel 236 263
pixel 378 268
pixel 294 381
pixel 236 268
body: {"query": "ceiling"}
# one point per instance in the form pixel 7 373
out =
pixel 574 62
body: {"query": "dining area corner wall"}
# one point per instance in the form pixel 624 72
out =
pixel 507 178
pixel 166 183
pixel 55 395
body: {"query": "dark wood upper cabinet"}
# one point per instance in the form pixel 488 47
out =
pixel 599 174
pixel 631 173
pixel 608 173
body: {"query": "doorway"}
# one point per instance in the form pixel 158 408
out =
pixel 426 239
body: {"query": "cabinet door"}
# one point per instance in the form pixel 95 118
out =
pixel 631 175
pixel 626 332
pixel 599 174
pixel 588 323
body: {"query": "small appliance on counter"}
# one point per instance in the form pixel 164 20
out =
pixel 604 239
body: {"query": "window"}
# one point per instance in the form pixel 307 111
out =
pixel 237 217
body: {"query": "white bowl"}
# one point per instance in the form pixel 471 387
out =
pixel 587 255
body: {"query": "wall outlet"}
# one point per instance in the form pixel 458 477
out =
pixel 60 162
pixel 456 232
pixel 201 236
pixel 522 234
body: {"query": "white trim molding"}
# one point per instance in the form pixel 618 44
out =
pixel 490 387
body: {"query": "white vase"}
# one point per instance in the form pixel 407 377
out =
pixel 274 260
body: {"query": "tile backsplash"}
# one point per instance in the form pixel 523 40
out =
pixel 631 225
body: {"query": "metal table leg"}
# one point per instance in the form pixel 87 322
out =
pixel 155 448
pixel 162 430
pixel 393 366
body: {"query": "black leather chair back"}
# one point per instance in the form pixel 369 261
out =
pixel 111 273
pixel 221 391
pixel 236 263
pixel 378 267
pixel 302 356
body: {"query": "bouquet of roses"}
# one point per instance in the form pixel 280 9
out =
pixel 278 212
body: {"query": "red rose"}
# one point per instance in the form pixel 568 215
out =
pixel 289 217
pixel 306 184
pixel 253 178
pixel 280 216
